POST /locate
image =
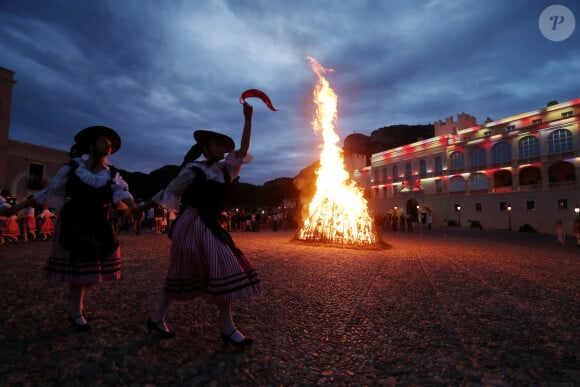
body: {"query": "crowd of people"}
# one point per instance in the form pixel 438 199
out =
pixel 30 223
pixel 394 221
pixel 37 223
pixel 159 219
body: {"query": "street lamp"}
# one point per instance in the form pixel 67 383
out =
pixel 577 211
pixel 509 208
pixel 459 216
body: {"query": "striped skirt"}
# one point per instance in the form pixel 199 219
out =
pixel 203 266
pixel 61 268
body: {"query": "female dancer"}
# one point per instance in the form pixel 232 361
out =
pixel 85 248
pixel 28 222
pixel 205 262
pixel 46 227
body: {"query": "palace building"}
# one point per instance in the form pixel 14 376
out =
pixel 519 172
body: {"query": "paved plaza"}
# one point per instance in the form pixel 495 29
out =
pixel 439 307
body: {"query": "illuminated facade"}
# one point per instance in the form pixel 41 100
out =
pixel 503 174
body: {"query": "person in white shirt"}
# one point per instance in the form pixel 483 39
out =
pixel 85 247
pixel 205 262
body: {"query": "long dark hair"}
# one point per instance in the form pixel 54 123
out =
pixel 192 154
pixel 77 150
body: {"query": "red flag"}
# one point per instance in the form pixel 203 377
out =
pixel 258 94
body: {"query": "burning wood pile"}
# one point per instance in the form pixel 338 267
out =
pixel 338 212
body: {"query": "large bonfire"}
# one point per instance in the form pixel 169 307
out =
pixel 338 212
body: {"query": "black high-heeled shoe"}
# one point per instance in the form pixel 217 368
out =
pixel 227 339
pixel 78 327
pixel 154 326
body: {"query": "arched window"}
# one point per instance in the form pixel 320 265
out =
pixel 530 176
pixel 422 168
pixel 528 146
pixel 438 165
pixel 408 171
pixel 457 183
pixel 501 152
pixel 385 174
pixel 477 158
pixel 395 173
pixel 560 141
pixel 502 178
pixel 562 171
pixel 478 181
pixel 457 160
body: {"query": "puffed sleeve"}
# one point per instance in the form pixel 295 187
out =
pixel 234 163
pixel 54 195
pixel 169 197
pixel 120 189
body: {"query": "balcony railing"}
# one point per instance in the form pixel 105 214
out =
pixel 502 189
pixel 561 156
pixel 562 185
pixel 530 187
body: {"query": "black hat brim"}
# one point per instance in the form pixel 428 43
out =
pixel 204 136
pixel 92 133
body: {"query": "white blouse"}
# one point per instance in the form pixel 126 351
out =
pixel 54 196
pixel 170 196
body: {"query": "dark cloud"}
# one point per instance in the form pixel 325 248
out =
pixel 157 71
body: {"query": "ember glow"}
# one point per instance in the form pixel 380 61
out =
pixel 338 212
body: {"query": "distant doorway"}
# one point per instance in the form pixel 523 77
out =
pixel 412 210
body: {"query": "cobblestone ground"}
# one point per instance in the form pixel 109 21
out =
pixel 439 307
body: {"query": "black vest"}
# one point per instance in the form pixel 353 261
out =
pixel 207 196
pixel 209 199
pixel 86 223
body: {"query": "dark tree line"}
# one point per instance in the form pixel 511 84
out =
pixel 243 195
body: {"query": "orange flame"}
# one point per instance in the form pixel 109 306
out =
pixel 338 212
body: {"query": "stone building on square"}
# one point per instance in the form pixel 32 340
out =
pixel 517 172
pixel 24 168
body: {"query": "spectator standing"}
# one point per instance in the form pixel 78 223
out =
pixel 560 232
pixel 158 213
pixel 402 222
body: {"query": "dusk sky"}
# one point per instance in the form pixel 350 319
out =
pixel 155 71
